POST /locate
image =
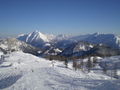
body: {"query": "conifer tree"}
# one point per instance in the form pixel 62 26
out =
pixel 89 64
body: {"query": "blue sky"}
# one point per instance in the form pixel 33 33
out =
pixel 59 16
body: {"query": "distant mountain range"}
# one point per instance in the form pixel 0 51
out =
pixel 85 49
pixel 41 44
pixel 72 45
pixel 38 39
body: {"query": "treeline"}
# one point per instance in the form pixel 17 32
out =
pixel 78 62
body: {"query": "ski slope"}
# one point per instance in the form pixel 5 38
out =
pixel 22 71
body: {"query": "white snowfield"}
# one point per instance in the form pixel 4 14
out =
pixel 21 71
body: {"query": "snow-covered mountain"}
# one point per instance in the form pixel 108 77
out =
pixel 76 47
pixel 87 49
pixel 12 44
pixel 50 43
pixel 35 38
pixel 18 70
pixel 39 39
pixel 110 40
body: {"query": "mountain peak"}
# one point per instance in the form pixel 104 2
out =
pixel 36 32
pixel 34 38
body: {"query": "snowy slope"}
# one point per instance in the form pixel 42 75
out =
pixel 1 53
pixel 22 71
pixel 12 44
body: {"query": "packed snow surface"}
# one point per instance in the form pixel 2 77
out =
pixel 22 71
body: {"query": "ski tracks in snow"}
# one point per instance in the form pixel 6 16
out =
pixel 60 81
pixel 8 77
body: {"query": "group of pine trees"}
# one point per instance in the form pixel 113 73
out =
pixel 111 69
pixel 79 64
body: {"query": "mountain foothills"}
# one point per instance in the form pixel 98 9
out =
pixel 68 45
pixel 12 44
